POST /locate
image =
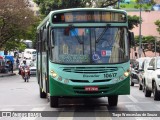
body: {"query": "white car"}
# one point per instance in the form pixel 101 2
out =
pixel 152 80
pixel 30 54
pixel 33 68
pixel 143 73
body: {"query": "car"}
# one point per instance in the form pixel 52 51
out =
pixel 30 54
pixel 136 69
pixel 156 7
pixel 142 74
pixel 152 79
pixel 134 74
pixel 33 68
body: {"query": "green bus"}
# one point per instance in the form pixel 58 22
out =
pixel 84 52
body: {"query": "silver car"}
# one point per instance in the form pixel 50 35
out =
pixel 33 68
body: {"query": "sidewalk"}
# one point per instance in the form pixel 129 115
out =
pixel 15 71
pixel 7 74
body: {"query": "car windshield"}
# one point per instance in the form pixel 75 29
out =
pixel 89 45
pixel 34 52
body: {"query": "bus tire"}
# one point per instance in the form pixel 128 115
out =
pixel 53 101
pixel 113 100
pixel 42 94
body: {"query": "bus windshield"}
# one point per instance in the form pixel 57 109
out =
pixel 96 45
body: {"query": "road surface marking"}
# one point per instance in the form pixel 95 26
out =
pixel 132 98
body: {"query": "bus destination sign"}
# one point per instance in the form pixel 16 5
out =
pixel 90 16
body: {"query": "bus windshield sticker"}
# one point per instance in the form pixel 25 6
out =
pixel 74 58
pixel 105 53
pixel 95 56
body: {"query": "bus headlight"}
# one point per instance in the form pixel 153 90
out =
pixel 126 74
pixel 54 75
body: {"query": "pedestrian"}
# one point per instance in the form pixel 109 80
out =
pixel 11 66
pixel 17 62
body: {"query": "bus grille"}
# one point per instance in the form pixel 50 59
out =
pixel 87 81
pixel 81 90
pixel 90 70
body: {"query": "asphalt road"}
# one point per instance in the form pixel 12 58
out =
pixel 17 95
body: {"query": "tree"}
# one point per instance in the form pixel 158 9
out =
pixel 133 21
pixel 15 18
pixel 143 4
pixel 157 23
pixel 48 5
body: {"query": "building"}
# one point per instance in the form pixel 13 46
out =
pixel 148 28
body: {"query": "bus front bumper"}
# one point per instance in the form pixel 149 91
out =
pixel 64 90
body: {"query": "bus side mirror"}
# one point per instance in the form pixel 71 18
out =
pixel 131 38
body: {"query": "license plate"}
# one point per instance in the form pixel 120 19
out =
pixel 26 73
pixel 91 88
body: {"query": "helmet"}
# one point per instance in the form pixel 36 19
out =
pixel 24 61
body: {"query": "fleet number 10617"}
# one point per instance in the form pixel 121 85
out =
pixel 110 75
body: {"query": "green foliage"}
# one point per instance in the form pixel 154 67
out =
pixel 157 23
pixel 133 21
pixel 48 5
pixel 16 22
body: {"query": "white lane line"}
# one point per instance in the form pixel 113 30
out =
pixel 132 98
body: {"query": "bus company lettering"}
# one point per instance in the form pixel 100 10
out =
pixel 90 75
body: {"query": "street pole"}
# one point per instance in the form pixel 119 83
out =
pixel 140 36
pixel 155 46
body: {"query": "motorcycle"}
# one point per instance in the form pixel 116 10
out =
pixel 25 74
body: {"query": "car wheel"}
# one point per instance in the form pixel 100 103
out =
pixel 156 94
pixel 147 92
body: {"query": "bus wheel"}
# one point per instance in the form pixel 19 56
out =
pixel 113 100
pixel 53 101
pixel 42 94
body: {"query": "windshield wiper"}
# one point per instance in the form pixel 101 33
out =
pixel 103 32
pixel 75 33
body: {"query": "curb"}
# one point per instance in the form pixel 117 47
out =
pixel 5 75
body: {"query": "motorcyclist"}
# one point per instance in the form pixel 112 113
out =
pixel 24 66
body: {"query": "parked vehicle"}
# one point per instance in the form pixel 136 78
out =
pixel 152 80
pixel 136 69
pixel 156 7
pixel 30 54
pixel 134 76
pixel 143 73
pixel 33 68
